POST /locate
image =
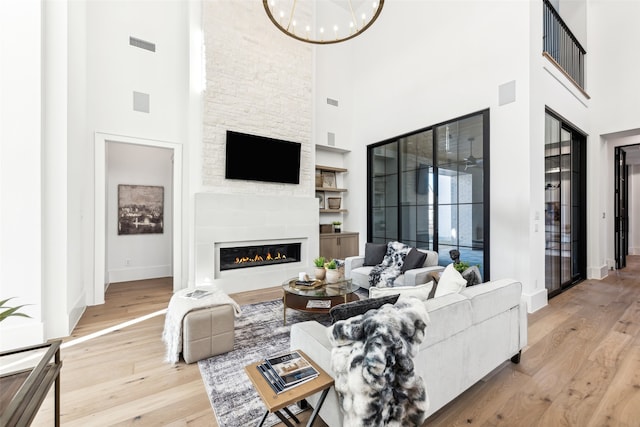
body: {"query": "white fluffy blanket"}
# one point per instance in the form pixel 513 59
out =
pixel 372 358
pixel 179 306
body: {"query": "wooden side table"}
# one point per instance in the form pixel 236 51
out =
pixel 277 403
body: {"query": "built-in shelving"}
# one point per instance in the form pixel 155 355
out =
pixel 323 189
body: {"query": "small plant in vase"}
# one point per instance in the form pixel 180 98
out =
pixel 319 271
pixel 336 226
pixel 333 274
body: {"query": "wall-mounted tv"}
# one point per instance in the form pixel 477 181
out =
pixel 258 158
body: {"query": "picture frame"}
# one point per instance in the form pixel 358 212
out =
pixel 328 179
pixel 140 209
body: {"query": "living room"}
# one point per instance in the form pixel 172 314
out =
pixel 444 61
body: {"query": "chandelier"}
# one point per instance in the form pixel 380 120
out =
pixel 323 21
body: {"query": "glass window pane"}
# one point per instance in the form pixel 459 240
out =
pixel 424 226
pixel 447 225
pixel 391 223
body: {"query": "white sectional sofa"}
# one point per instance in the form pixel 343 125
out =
pixel 470 334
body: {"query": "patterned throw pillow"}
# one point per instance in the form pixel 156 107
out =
pixel 350 309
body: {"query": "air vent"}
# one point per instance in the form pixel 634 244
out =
pixel 333 102
pixel 141 102
pixel 142 44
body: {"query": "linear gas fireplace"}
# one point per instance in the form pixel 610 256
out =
pixel 259 255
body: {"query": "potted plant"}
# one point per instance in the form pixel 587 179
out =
pixel 319 271
pixel 333 274
pixel 336 226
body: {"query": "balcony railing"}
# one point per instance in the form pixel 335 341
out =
pixel 561 45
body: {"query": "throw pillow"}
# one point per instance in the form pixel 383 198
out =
pixel 350 309
pixel 374 253
pixel 419 291
pixel 414 259
pixel 451 281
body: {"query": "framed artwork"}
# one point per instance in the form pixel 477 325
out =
pixel 328 179
pixel 320 196
pixel 140 209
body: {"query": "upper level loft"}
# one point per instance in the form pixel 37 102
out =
pixel 561 47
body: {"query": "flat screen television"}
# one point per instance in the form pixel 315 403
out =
pixel 258 158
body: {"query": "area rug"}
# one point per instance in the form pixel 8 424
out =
pixel 259 333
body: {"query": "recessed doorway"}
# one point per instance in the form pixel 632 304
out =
pixel 101 271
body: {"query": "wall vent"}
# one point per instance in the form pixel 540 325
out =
pixel 141 102
pixel 332 101
pixel 142 44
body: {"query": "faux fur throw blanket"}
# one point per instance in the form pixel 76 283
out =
pixel 179 306
pixel 372 358
pixel 383 275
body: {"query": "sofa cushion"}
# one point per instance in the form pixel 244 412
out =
pixel 419 291
pixel 374 253
pixel 414 259
pixel 350 309
pixel 360 276
pixel 451 281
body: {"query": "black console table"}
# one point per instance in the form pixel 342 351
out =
pixel 23 391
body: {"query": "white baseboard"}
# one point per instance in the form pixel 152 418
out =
pixel 634 251
pixel 597 273
pixel 536 300
pixel 77 311
pixel 139 273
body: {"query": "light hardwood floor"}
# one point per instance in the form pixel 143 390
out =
pixel 581 367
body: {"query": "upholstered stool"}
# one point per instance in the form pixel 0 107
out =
pixel 207 332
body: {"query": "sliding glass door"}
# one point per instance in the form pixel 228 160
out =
pixel 429 189
pixel 565 205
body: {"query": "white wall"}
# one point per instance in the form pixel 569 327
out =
pixel 613 83
pixel 115 70
pixel 425 71
pixel 20 174
pixel 139 256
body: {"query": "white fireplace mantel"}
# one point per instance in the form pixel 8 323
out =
pixel 223 220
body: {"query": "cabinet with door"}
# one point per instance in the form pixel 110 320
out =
pixel 339 245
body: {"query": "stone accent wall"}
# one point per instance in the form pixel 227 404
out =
pixel 259 81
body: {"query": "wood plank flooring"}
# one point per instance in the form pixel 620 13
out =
pixel 580 368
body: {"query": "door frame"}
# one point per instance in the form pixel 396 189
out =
pixel 621 205
pixel 100 223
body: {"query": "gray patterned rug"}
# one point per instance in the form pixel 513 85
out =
pixel 259 333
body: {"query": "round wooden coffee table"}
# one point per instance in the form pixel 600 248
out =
pixel 318 298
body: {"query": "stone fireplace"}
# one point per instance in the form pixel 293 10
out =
pixel 226 225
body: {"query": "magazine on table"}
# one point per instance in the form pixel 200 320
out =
pixel 286 371
pixel 197 294
pixel 319 303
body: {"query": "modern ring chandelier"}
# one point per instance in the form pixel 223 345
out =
pixel 323 21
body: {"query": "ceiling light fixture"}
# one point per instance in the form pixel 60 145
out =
pixel 323 21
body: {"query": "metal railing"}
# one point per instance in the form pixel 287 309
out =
pixel 561 45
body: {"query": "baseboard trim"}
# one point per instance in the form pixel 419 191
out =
pixel 536 300
pixel 141 273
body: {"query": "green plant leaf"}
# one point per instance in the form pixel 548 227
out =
pixel 11 311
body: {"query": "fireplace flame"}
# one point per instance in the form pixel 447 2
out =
pixel 259 258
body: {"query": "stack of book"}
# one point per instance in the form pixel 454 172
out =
pixel 286 371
